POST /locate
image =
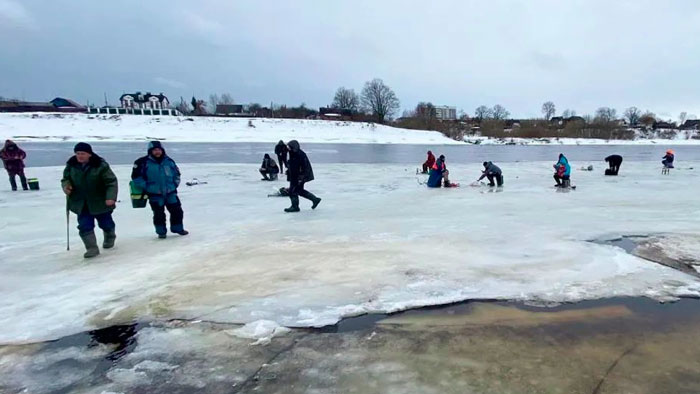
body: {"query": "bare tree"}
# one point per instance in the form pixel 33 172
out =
pixel 548 110
pixel 214 100
pixel 568 113
pixel 426 111
pixel 346 99
pixel 605 114
pixel 647 119
pixel 226 98
pixel 632 114
pixel 183 107
pixel 499 112
pixel 379 100
pixel 482 112
pixel 682 117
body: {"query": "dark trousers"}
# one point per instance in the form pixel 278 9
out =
pixel 614 167
pixel 272 175
pixel 562 179
pixel 174 207
pixel 22 178
pixel 296 190
pixel 86 222
pixel 425 168
pixel 495 177
pixel 283 162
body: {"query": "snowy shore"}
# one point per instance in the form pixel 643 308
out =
pixel 379 242
pixel 82 127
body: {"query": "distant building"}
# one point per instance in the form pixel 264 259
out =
pixel 231 110
pixel 664 125
pixel 144 101
pixel 691 124
pixel 327 113
pixel 67 105
pixel 56 105
pixel 561 121
pixel 444 112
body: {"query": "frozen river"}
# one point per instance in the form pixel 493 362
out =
pixel 56 153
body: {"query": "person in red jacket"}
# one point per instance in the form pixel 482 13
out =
pixel 429 162
pixel 13 160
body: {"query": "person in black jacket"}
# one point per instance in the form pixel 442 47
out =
pixel 299 172
pixel 268 169
pixel 614 161
pixel 281 152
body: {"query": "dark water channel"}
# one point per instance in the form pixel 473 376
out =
pixel 56 153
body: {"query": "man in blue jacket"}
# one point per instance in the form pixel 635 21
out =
pixel 158 175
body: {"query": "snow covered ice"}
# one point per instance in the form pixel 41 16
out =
pixel 379 242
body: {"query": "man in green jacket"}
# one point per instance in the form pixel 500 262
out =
pixel 91 187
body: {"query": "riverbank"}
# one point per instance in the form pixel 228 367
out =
pixel 126 128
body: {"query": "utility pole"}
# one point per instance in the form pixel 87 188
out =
pixel 106 105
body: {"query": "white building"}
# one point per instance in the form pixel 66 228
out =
pixel 444 112
pixel 139 100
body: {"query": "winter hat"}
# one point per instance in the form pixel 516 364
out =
pixel 83 147
pixel 267 156
pixel 670 151
pixel 153 145
pixel 442 157
pixel 486 163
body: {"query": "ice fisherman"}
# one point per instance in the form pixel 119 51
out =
pixel 281 151
pixel 92 189
pixel 614 162
pixel 668 159
pixel 299 172
pixel 269 169
pixel 493 173
pixel 439 175
pixel 158 175
pixel 13 161
pixel 562 173
pixel 429 162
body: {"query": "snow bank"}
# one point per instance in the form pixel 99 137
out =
pixel 83 127
pixel 73 127
pixel 379 242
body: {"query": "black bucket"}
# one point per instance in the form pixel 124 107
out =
pixel 33 183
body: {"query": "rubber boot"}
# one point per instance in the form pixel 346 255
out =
pixel 315 203
pixel 110 237
pixel 90 242
pixel 295 204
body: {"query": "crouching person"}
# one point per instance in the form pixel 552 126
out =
pixel 92 189
pixel 158 175
pixel 493 173
pixel 269 169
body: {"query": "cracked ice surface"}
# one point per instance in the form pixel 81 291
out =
pixel 379 242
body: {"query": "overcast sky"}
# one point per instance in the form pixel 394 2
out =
pixel 581 54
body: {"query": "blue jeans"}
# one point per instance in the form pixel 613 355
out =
pixel 86 222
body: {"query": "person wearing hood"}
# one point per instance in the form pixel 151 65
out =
pixel 281 151
pixel 92 190
pixel 13 160
pixel 159 176
pixel 439 175
pixel 562 173
pixel 269 169
pixel 299 173
pixel 668 159
pixel 614 163
pixel 429 162
pixel 493 173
